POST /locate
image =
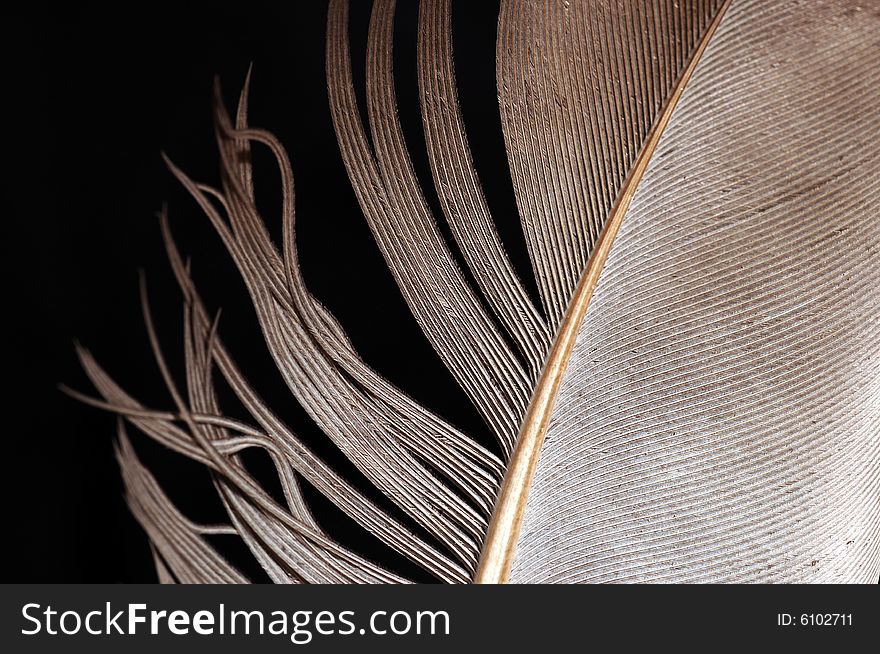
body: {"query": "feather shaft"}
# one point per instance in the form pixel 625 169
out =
pixel 496 558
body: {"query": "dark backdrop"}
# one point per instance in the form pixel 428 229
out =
pixel 95 96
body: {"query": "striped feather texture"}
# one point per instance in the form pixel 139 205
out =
pixel 579 85
pixel 720 418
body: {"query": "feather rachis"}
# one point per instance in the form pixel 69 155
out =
pixel 499 548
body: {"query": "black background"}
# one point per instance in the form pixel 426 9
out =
pixel 95 96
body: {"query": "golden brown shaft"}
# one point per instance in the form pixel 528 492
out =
pixel 499 547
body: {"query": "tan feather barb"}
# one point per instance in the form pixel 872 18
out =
pixel 718 410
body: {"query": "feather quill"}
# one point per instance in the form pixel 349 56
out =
pixel 648 473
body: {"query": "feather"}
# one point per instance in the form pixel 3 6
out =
pixel 711 415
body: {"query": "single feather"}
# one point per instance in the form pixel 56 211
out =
pixel 697 396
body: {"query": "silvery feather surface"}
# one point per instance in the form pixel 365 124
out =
pixel 715 416
pixel 719 420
